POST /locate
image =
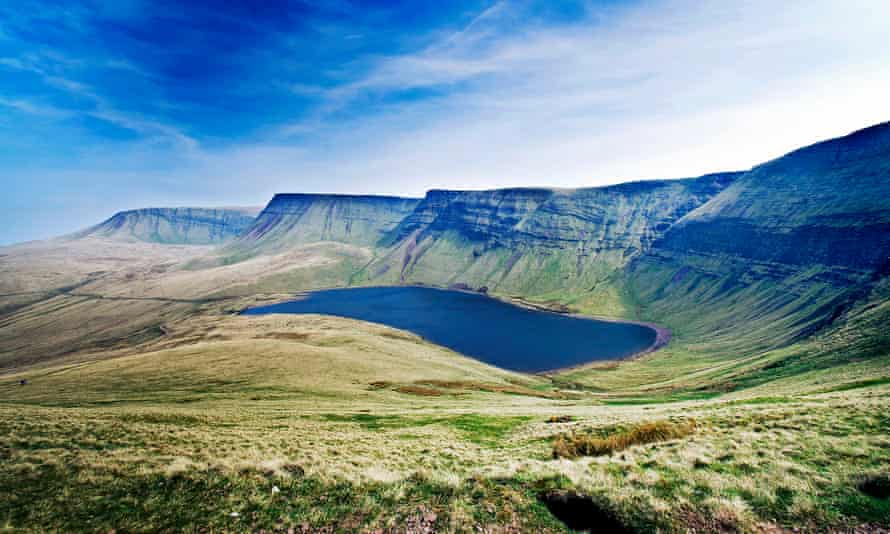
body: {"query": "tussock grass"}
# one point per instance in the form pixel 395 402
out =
pixel 512 389
pixel 576 445
pixel 411 389
pixel 560 419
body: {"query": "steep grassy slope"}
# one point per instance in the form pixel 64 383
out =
pixel 780 254
pixel 175 226
pixel 296 219
pixel 564 245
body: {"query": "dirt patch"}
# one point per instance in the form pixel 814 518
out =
pixel 877 486
pixel 286 336
pixel 560 419
pixel 582 512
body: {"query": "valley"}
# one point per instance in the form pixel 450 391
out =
pixel 132 379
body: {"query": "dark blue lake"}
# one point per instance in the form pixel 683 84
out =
pixel 478 326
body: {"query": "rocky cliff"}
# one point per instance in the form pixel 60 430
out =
pixel 175 226
pixel 539 243
pixel 776 253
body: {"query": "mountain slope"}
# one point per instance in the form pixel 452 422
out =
pixel 174 226
pixel 296 219
pixel 781 253
pixel 538 243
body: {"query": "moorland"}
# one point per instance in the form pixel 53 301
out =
pixel 134 395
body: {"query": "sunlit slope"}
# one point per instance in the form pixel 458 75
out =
pixel 308 360
pixel 566 246
pixel 175 226
pixel 297 219
pixel 782 253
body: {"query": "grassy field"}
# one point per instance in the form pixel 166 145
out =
pixel 148 406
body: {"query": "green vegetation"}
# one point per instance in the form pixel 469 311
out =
pixel 134 398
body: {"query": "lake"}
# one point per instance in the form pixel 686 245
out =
pixel 487 329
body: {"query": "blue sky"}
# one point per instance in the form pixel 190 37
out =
pixel 116 105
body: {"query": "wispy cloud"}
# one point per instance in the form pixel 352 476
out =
pixel 660 89
pixel 340 98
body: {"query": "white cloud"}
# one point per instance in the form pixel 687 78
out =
pixel 670 88
pixel 673 88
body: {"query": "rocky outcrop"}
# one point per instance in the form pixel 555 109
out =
pixel 175 226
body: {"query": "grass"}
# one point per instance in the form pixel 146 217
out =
pixel 362 427
pixel 167 467
pixel 139 459
pixel 583 444
pixel 217 500
pixel 476 428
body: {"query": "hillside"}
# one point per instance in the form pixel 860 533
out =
pixel 290 220
pixel 130 380
pixel 783 252
pixel 174 226
pixel 561 245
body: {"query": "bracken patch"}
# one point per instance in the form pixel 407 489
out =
pixel 575 445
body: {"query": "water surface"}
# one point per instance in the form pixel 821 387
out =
pixel 508 336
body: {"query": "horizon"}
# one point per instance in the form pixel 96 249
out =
pixel 262 206
pixel 113 108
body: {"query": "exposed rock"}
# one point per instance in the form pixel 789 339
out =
pixel 535 241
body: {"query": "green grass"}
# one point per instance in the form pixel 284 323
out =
pixel 479 429
pixel 58 497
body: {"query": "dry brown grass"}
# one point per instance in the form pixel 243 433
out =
pixel 560 419
pixel 494 388
pixel 419 390
pixel 576 445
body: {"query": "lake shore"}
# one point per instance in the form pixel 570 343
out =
pixel 662 335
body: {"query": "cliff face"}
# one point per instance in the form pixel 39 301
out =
pixel 484 216
pixel 295 219
pixel 535 242
pixel 777 252
pixel 786 249
pixel 817 205
pixel 175 226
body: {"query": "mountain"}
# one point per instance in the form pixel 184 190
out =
pixel 174 226
pixel 296 219
pixel 740 262
pixel 784 251
pixel 539 243
pixel 736 264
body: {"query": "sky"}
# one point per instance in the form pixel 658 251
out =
pixel 112 105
